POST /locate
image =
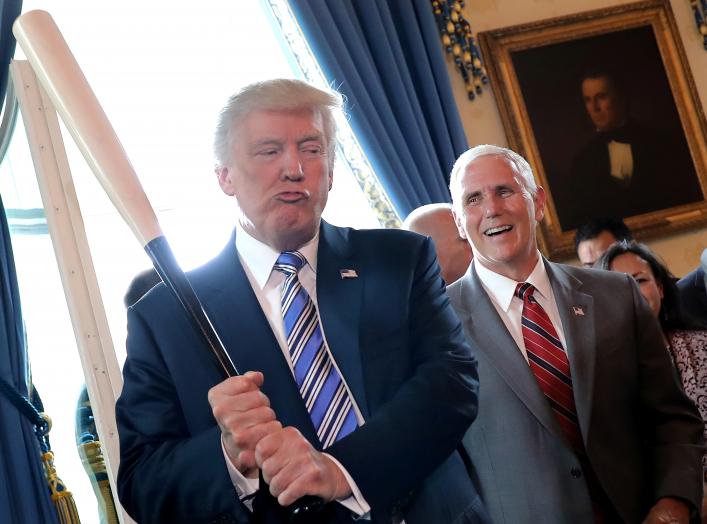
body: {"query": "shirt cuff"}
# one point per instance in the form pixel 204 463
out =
pixel 244 486
pixel 355 502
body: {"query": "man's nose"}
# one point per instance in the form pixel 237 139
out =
pixel 492 205
pixel 292 165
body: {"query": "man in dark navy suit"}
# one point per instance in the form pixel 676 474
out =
pixel 357 383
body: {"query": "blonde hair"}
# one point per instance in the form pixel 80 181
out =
pixel 278 94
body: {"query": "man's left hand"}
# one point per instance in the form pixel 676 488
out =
pixel 293 468
pixel 669 511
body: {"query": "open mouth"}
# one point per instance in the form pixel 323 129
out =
pixel 494 231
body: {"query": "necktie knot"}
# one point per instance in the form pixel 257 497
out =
pixel 524 291
pixel 289 262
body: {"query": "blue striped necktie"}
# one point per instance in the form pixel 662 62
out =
pixel 320 384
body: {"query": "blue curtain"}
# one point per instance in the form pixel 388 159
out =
pixel 9 10
pixel 387 58
pixel 24 496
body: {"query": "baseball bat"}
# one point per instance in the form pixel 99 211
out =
pixel 64 82
pixel 77 105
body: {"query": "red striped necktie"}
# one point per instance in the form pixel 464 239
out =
pixel 548 361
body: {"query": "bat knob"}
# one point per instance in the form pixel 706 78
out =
pixel 304 507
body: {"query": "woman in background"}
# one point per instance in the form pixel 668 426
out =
pixel 686 343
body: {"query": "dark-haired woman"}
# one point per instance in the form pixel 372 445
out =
pixel 685 341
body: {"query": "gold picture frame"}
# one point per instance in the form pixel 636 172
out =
pixel 537 73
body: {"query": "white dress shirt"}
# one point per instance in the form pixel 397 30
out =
pixel 620 161
pixel 258 260
pixel 501 290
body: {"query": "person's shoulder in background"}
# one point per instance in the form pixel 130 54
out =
pixel 693 292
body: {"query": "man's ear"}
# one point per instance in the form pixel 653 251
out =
pixel 539 200
pixel 225 180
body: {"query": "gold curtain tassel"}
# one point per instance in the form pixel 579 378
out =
pixel 62 497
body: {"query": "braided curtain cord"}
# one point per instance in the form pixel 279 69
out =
pixel 458 40
pixel 41 423
pixel 699 11
pixel 62 497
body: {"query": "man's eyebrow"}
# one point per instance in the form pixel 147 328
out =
pixel 314 137
pixel 503 186
pixel 480 191
pixel 266 142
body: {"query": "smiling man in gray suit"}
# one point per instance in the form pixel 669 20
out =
pixel 580 417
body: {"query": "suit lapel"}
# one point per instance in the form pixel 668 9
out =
pixel 245 332
pixel 577 316
pixel 339 302
pixel 486 328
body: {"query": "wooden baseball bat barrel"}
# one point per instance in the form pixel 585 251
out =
pixel 64 82
pixel 62 79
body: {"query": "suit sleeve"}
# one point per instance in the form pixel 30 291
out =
pixel 423 422
pixel 167 473
pixel 673 425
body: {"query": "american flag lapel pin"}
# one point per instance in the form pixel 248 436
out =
pixel 348 273
pixel 578 311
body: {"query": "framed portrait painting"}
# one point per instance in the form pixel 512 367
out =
pixel 603 106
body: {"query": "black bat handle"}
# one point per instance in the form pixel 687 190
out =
pixel 176 281
pixel 174 278
pixel 304 507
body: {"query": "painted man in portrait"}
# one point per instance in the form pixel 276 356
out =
pixel 626 168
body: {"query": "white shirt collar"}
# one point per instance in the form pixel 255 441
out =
pixel 260 258
pixel 501 289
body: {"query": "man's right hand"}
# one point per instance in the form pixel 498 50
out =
pixel 244 415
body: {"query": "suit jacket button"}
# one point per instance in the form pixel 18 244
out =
pixel 576 473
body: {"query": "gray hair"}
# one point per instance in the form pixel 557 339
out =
pixel 518 162
pixel 278 94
